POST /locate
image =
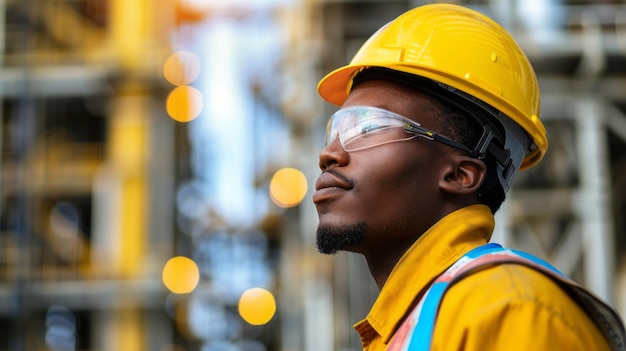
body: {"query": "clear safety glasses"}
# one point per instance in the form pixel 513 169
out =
pixel 363 127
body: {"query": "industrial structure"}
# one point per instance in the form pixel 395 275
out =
pixel 101 184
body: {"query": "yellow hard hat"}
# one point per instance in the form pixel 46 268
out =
pixel 462 49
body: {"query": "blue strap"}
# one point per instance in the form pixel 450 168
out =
pixel 426 322
pixel 493 247
pixel 481 250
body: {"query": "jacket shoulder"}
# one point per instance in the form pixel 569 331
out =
pixel 518 305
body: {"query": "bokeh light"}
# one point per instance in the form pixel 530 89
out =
pixel 288 187
pixel 60 328
pixel 181 68
pixel 184 103
pixel 181 275
pixel 257 306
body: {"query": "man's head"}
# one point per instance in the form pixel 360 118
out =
pixel 462 77
pixel 381 185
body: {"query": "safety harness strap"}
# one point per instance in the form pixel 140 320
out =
pixel 416 331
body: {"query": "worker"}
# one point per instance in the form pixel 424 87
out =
pixel 439 110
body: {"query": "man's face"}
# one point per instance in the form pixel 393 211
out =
pixel 380 200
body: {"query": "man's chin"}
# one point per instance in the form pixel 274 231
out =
pixel 332 239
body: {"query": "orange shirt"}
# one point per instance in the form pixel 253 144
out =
pixel 506 307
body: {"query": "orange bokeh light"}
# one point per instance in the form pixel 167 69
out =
pixel 184 103
pixel 257 306
pixel 288 187
pixel 181 275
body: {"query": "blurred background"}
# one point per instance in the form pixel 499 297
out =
pixel 157 160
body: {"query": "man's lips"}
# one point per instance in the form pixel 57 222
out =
pixel 330 184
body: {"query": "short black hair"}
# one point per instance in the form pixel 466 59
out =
pixel 455 123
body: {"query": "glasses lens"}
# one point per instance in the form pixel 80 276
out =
pixel 361 127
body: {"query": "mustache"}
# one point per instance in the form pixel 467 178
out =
pixel 340 176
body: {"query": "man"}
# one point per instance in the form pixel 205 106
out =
pixel 439 110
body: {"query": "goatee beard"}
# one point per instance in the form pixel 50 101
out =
pixel 332 239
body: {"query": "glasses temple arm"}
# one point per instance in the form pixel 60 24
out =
pixel 428 134
pixel 501 155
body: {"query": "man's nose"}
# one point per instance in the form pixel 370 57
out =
pixel 333 154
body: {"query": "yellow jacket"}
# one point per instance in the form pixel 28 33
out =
pixel 505 307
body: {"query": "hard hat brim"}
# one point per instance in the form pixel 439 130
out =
pixel 336 85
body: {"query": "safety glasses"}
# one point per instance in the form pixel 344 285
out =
pixel 363 127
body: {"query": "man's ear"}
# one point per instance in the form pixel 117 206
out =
pixel 464 175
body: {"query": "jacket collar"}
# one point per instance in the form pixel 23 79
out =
pixel 430 255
